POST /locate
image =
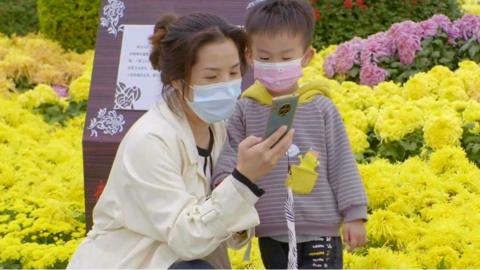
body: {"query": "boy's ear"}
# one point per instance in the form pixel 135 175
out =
pixel 307 58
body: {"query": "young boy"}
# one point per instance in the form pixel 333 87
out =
pixel 281 32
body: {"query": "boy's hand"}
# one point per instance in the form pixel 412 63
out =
pixel 354 234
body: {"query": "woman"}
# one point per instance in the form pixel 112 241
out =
pixel 158 210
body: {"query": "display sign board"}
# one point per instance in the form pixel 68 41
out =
pixel 124 85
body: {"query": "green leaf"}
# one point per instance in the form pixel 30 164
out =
pixel 54 109
pixel 442 35
pixel 422 63
pixel 438 42
pixel 467 45
pixel 427 42
pixel 408 146
pixel 436 54
pixel 444 61
pixel 449 55
pixel 473 50
pixel 469 126
pixel 393 72
pixel 396 64
pixel 354 72
pixel 424 53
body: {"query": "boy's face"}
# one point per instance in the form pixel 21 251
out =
pixel 281 47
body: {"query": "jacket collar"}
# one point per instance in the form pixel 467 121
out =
pixel 184 131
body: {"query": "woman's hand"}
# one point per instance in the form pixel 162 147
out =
pixel 256 158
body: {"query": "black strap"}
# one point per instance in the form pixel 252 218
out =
pixel 207 153
pixel 244 180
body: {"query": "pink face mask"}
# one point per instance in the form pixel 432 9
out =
pixel 278 77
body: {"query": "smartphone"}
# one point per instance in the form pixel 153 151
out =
pixel 282 113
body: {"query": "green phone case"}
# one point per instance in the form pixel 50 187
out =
pixel 282 113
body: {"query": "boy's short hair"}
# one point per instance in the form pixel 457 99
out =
pixel 273 16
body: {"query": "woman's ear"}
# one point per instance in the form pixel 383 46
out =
pixel 183 88
pixel 178 85
pixel 307 58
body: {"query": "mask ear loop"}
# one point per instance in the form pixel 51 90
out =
pixel 186 87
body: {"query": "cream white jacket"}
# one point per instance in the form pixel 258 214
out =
pixel 157 206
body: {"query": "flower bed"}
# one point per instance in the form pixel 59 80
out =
pixel 341 20
pixel 41 208
pixel 431 110
pixel 42 218
pixel 406 49
pixel 416 145
pixel 422 214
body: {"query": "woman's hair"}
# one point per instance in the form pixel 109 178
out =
pixel 175 44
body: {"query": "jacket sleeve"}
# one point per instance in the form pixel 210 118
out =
pixel 235 135
pixel 343 173
pixel 158 205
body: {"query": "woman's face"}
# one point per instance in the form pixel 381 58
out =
pixel 216 62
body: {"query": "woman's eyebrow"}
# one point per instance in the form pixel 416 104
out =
pixel 216 68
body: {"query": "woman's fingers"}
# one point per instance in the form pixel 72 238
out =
pixel 249 142
pixel 269 142
pixel 257 158
pixel 282 146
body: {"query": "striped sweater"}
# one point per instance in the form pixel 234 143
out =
pixel 338 195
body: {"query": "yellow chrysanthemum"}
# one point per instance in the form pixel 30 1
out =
pixel 473 8
pixel 39 95
pixel 449 159
pixel 440 73
pixel 388 228
pixel 419 86
pixel 41 180
pixel 381 258
pixel 80 88
pixel 7 87
pixel 396 121
pixel 358 139
pixel 469 72
pixel 40 60
pixel 385 90
pixel 453 93
pixel 443 131
pixel 356 118
pixel 471 114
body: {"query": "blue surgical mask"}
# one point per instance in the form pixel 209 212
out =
pixel 215 102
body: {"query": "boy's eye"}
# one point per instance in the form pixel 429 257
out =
pixel 211 77
pixel 233 73
pixel 264 58
pixel 286 58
